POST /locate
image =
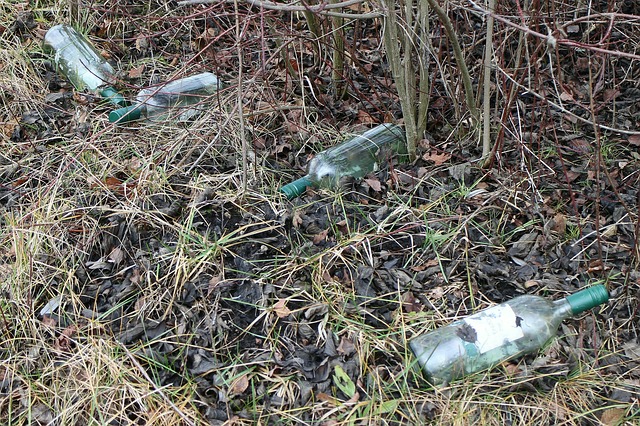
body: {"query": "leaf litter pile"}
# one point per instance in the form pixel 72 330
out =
pixel 142 283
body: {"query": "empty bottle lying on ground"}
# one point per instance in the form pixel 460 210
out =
pixel 78 61
pixel 513 328
pixel 177 100
pixel 355 157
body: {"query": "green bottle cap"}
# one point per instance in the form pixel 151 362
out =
pixel 588 298
pixel 126 114
pixel 295 188
pixel 113 96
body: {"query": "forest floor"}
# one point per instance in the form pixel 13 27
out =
pixel 152 273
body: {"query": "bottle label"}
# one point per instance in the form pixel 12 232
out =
pixel 491 328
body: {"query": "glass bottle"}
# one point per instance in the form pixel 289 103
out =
pixel 176 100
pixel 78 60
pixel 355 157
pixel 516 327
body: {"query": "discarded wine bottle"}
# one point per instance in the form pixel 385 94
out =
pixel 516 327
pixel 355 157
pixel 176 100
pixel 78 60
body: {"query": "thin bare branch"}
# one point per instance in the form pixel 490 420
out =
pixel 323 9
pixel 551 40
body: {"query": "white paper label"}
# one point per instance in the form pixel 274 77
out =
pixel 494 327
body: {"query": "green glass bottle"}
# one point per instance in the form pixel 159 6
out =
pixel 176 100
pixel 513 328
pixel 355 157
pixel 78 60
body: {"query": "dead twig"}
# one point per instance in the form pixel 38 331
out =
pixel 322 9
pixel 564 110
pixel 486 104
pixel 552 40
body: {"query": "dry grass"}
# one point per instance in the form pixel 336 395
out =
pixel 180 299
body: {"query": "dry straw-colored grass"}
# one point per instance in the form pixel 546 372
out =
pixel 80 193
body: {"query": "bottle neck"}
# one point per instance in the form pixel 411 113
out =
pixel 297 187
pixel 562 310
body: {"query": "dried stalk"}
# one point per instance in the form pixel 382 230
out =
pixel 486 104
pixel 457 52
pixel 402 70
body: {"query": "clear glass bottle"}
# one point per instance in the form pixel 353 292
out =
pixel 355 157
pixel 516 327
pixel 176 100
pixel 78 60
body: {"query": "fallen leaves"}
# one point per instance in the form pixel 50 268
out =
pixel 239 385
pixel 612 416
pixel 374 184
pixel 410 303
pixel 437 158
pixel 136 72
pixel 321 236
pixel 280 308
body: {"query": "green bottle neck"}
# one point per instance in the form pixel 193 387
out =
pixel 113 96
pixel 579 302
pixel 588 298
pixel 128 113
pixel 296 188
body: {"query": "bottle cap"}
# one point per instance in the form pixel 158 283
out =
pixel 295 188
pixel 126 114
pixel 113 96
pixel 588 298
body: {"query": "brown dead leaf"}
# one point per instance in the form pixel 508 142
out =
pixel 511 369
pixel 566 96
pixel 136 72
pixel 48 321
pixel 135 276
pixel 297 219
pixel 610 94
pixel 259 143
pixel 318 238
pixel 140 304
pixel 428 264
pixel 116 256
pixel 346 347
pixel 115 185
pixel 374 184
pixel 410 303
pixel 612 416
pixel 239 385
pixel 436 293
pixel 580 145
pixel 438 159
pixel 64 340
pixel 280 308
pixel 106 54
pixel 571 118
pixel 355 398
pixel 321 396
pixel 213 283
pixel 343 226
pixel 142 43
pixel 634 140
pixel 364 117
pixel 531 283
pixel 560 223
pixel 596 265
